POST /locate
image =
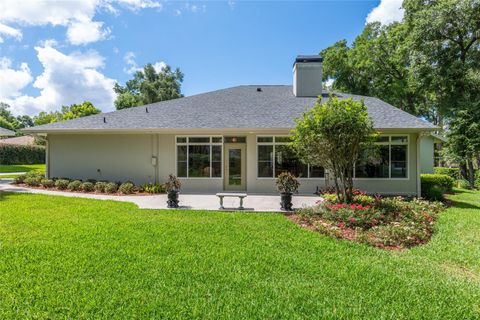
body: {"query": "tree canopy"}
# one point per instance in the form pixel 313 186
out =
pixel 149 86
pixel 67 112
pixel 333 135
pixel 427 64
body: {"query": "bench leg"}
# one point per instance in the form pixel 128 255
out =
pixel 221 203
pixel 241 203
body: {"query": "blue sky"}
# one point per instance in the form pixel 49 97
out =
pixel 61 53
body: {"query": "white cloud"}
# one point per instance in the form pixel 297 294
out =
pixel 132 67
pixel 66 79
pixel 386 12
pixel 12 81
pixel 140 4
pixel 76 15
pixel 159 66
pixel 9 32
pixel 84 30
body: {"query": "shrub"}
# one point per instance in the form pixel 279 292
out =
pixel 434 193
pixel 19 179
pixel 62 184
pixel 111 187
pixel 19 154
pixel 389 222
pixel 442 182
pixel 364 199
pixel 47 183
pixel 287 183
pixel 452 172
pixel 172 184
pixel 87 186
pixel 75 185
pixel 126 188
pixel 100 186
pixel 32 181
pixel 330 197
pixel 462 184
pixel 152 188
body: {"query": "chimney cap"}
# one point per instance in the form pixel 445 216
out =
pixel 308 58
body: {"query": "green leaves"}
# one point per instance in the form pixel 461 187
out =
pixel 67 113
pixel 332 135
pixel 149 86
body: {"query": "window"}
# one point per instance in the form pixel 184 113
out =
pixel 199 157
pixel 387 160
pixel 274 156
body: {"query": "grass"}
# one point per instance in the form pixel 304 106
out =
pixel 19 168
pixel 4 168
pixel 80 258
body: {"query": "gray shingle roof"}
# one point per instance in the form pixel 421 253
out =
pixel 274 106
pixel 6 133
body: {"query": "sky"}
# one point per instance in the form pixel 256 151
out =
pixel 55 53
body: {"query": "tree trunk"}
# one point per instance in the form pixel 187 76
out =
pixel 463 170
pixel 471 173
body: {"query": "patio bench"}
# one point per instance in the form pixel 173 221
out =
pixel 235 195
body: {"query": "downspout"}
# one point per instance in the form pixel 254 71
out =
pixel 419 185
pixel 157 178
pixel 47 157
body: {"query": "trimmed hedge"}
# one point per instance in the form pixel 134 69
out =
pixel 17 154
pixel 433 184
pixel 452 172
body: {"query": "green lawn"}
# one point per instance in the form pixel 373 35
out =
pixel 79 258
pixel 21 168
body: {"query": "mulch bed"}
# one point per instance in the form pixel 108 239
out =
pixel 93 192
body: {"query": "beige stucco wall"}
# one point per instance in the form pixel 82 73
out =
pixel 426 154
pixel 101 157
pixel 129 157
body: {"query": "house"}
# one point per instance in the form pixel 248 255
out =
pixel 231 139
pixel 6 133
pixel 22 141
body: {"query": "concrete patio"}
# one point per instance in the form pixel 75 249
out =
pixel 253 202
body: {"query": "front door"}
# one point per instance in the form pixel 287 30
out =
pixel 235 166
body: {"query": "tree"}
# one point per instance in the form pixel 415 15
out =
pixel 377 64
pixel 5 124
pixel 445 50
pixel 67 112
pixel 79 110
pixel 25 121
pixel 47 117
pixel 149 86
pixel 333 135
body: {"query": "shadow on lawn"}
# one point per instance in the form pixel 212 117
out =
pixel 463 205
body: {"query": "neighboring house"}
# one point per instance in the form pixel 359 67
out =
pixel 6 133
pixel 22 140
pixel 230 139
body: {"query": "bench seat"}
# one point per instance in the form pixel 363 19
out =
pixel 222 195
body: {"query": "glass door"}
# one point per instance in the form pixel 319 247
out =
pixel 234 166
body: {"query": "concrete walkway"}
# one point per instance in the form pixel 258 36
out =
pixel 270 203
pixel 10 173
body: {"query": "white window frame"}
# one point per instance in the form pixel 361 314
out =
pixel 273 143
pixel 390 144
pixel 188 143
